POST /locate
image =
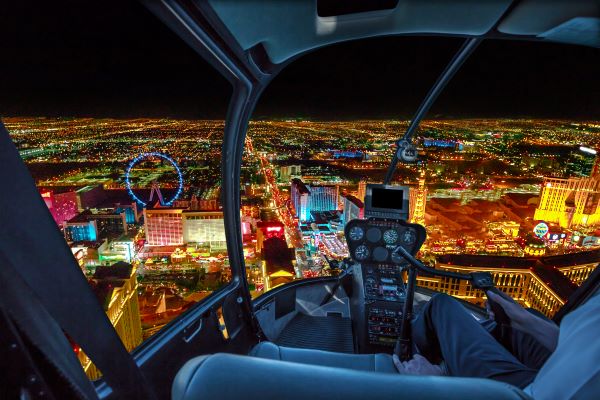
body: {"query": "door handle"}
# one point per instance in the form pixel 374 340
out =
pixel 192 330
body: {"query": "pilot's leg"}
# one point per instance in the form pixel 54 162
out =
pixel 525 347
pixel 444 330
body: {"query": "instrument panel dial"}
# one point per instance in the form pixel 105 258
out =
pixel 397 258
pixel 374 235
pixel 390 236
pixel 361 253
pixel 409 237
pixel 356 233
pixel 375 240
pixel 380 254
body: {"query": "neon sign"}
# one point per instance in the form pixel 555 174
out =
pixel 541 229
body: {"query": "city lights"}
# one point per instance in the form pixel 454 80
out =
pixel 482 188
pixel 587 150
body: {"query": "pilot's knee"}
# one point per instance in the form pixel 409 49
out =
pixel 442 300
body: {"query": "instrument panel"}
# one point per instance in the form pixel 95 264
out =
pixel 383 282
pixel 372 244
pixel 375 241
pixel 383 325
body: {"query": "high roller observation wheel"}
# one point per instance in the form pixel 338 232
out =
pixel 144 156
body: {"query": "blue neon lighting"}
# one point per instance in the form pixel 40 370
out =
pixel 143 156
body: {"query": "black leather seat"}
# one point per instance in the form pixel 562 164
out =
pixel 229 377
pixel 359 362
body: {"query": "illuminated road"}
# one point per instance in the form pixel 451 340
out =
pixel 281 209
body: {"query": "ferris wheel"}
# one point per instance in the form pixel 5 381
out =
pixel 155 188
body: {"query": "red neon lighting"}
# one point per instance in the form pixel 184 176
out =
pixel 274 229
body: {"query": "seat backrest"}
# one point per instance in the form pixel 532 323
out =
pixel 573 371
pixel 228 376
pixel 590 286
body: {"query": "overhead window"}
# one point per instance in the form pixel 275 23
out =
pixel 331 8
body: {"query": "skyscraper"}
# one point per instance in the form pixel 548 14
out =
pixel 300 195
pixel 570 202
pixel 362 190
pixel 80 230
pixel 207 227
pixel 324 198
pixel 62 203
pixel 164 226
pixel 288 172
pixel 317 198
pixel 117 288
pixel 581 162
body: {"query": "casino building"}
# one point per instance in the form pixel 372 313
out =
pixel 117 290
pixel 312 198
pixel 174 226
pixel 300 195
pixel 542 283
pixel 572 202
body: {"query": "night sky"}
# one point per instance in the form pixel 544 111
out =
pixel 115 59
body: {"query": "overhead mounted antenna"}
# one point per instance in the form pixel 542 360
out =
pixel 406 151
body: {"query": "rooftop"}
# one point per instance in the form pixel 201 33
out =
pixel 545 268
pixel 302 188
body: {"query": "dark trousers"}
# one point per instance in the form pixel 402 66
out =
pixel 445 330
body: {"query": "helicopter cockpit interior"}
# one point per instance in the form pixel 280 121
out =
pixel 331 336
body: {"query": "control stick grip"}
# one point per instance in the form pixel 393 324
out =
pixel 403 349
pixel 484 281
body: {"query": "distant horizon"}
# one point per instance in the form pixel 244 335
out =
pixel 307 119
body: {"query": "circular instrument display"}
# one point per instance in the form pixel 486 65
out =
pixel 356 233
pixel 397 258
pixel 380 254
pixel 409 237
pixel 374 235
pixel 390 236
pixel 361 253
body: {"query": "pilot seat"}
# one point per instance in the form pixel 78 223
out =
pixel 274 372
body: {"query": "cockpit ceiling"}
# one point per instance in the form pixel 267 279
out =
pixel 572 21
pixel 286 28
pixel 289 27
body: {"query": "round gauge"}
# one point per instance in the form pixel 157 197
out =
pixel 374 235
pixel 380 254
pixel 356 233
pixel 409 237
pixel 390 236
pixel 397 258
pixel 361 253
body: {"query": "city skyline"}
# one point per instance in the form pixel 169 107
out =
pixel 480 188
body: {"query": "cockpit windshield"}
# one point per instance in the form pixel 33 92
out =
pixel 506 179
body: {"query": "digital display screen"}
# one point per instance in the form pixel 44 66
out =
pixel 386 198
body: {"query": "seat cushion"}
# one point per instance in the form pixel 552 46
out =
pixel 234 377
pixel 359 362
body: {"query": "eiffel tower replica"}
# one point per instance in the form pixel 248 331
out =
pixel 418 197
